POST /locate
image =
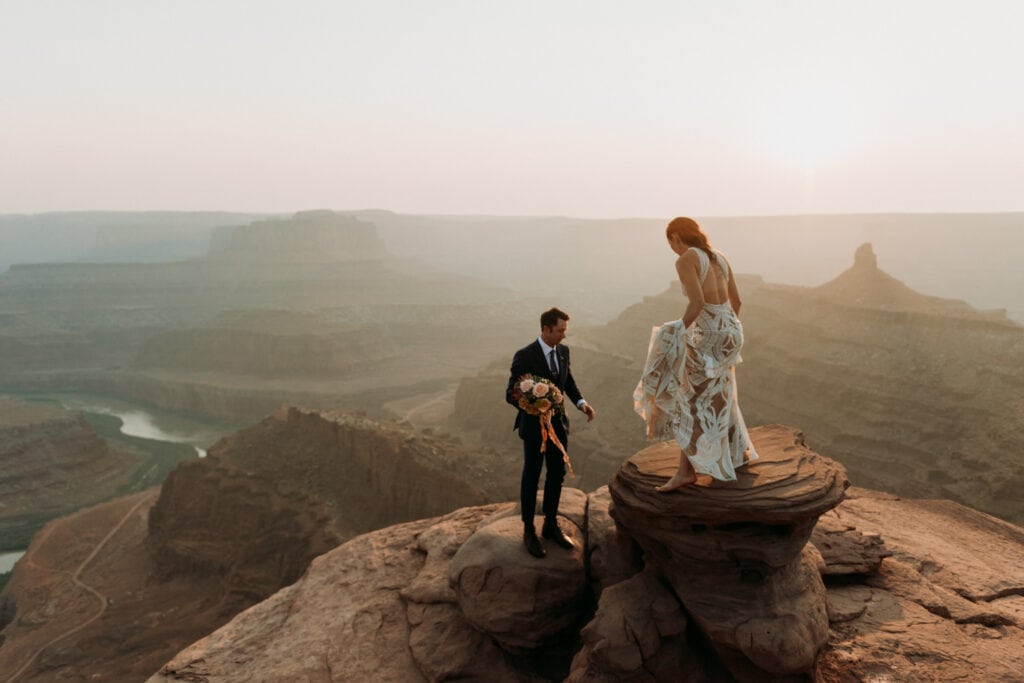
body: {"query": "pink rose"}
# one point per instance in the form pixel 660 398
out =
pixel 540 390
pixel 543 405
pixel 526 385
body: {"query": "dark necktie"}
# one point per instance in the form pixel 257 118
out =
pixel 553 363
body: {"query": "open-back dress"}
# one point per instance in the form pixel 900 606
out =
pixel 688 388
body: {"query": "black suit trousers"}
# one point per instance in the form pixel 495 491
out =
pixel 533 461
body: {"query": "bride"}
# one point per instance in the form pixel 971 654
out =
pixel 688 388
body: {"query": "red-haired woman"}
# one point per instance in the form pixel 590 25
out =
pixel 688 389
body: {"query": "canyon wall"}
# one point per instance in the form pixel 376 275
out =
pixel 51 463
pixel 268 499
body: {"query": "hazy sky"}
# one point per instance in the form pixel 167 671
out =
pixel 590 108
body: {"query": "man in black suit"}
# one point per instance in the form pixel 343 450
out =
pixel 545 357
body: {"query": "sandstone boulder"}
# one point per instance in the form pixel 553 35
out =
pixel 734 551
pixel 521 601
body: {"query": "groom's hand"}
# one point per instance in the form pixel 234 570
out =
pixel 589 411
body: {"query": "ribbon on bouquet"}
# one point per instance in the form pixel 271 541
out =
pixel 547 433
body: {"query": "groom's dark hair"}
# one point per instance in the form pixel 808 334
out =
pixel 550 317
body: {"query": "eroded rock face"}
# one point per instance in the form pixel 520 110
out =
pixel 734 551
pixel 268 499
pixel 637 634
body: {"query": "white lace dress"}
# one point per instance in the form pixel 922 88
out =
pixel 688 388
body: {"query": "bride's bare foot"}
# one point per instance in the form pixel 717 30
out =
pixel 684 476
pixel 676 482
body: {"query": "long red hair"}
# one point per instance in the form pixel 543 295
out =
pixel 689 231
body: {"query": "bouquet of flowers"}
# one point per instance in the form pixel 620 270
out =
pixel 539 396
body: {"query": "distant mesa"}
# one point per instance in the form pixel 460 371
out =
pixel 866 285
pixel 309 236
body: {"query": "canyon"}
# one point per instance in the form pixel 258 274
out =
pixel 915 395
pixel 116 589
pixel 399 369
pixel 311 308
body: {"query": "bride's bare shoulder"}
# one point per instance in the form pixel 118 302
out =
pixel 688 257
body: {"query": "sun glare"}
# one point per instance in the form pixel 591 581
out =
pixel 809 133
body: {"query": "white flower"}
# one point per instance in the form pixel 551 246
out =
pixel 526 385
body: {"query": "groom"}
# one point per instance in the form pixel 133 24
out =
pixel 545 357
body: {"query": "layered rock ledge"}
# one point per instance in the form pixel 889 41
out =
pixel 734 552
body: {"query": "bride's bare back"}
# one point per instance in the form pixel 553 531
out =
pixel 715 286
pixel 718 287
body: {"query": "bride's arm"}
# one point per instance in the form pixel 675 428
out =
pixel 687 266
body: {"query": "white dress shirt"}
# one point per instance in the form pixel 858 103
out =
pixel 547 354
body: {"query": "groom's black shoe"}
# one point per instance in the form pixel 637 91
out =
pixel 551 532
pixel 532 543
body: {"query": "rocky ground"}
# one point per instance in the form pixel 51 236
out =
pixel 77 592
pixel 457 597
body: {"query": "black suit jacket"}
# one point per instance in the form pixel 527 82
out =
pixel 530 360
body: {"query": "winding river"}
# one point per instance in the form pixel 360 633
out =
pixel 143 423
pixel 147 423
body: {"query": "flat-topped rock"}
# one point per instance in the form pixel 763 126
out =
pixel 789 481
pixel 735 553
